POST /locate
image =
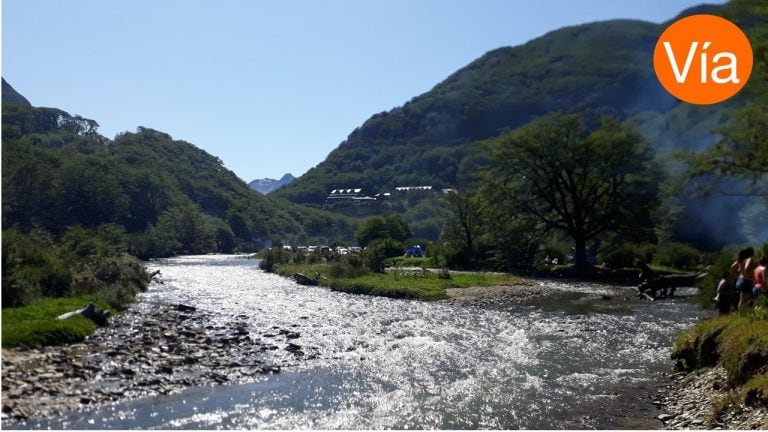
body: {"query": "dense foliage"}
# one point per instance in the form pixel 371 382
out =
pixel 599 69
pixel 390 226
pixel 142 193
pixel 169 196
pixel 581 182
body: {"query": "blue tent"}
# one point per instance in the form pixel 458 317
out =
pixel 415 251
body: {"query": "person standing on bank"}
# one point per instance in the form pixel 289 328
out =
pixel 759 277
pixel 745 265
pixel 725 297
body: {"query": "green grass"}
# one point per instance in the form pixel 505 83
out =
pixel 740 344
pixel 36 323
pixel 417 285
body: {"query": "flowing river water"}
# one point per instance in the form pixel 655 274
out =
pixel 587 356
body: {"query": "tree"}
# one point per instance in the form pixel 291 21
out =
pixel 382 227
pixel 742 153
pixel 463 226
pixel 580 182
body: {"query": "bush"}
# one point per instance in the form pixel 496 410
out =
pixel 391 248
pixel 114 279
pixel 32 268
pixel 677 255
pixel 623 255
pixel 271 258
pixel 349 266
pixel 374 258
pixel 86 263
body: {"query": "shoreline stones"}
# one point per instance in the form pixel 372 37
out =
pixel 688 403
pixel 141 354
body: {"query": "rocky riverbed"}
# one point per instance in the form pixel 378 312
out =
pixel 142 354
pixel 165 348
pixel 690 400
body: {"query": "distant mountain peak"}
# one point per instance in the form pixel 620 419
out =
pixel 267 185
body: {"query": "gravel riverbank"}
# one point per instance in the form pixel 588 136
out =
pixel 138 355
pixel 688 403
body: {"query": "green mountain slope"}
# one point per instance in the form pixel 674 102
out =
pixel 167 195
pixel 12 96
pixel 599 68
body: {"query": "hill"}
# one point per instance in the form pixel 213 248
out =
pixel 267 185
pixel 12 96
pixel 168 196
pixel 599 68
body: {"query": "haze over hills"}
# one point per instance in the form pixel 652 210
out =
pixel 598 68
pixel 267 185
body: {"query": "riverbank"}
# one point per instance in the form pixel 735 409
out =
pixel 724 379
pixel 139 355
pixel 698 400
pixel 366 334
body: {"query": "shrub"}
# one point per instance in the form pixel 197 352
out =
pixel 32 267
pixel 271 258
pixel 623 255
pixel 351 266
pixel 114 279
pixel 619 257
pixel 677 255
pixel 374 258
pixel 391 248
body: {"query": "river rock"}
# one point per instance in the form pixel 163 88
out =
pixel 185 308
pixel 293 348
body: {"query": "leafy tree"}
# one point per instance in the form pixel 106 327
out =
pixel 742 153
pixel 463 227
pixel 390 226
pixel 513 237
pixel 580 182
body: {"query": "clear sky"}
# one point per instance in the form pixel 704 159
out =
pixel 268 86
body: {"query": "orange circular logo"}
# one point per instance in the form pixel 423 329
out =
pixel 703 59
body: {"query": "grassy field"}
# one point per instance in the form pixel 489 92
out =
pixel 418 285
pixel 36 323
pixel 738 342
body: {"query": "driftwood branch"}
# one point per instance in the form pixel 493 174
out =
pixel 89 311
pixel 653 286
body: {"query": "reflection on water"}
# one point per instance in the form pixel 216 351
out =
pixel 571 361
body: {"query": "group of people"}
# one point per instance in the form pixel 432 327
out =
pixel 743 282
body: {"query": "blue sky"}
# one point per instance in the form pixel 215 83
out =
pixel 268 86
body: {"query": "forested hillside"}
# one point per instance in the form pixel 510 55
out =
pixel 168 196
pixel 598 68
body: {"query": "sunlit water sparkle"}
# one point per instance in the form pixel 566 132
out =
pixel 569 361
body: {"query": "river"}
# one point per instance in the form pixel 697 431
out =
pixel 571 360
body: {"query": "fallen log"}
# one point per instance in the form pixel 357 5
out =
pixel 658 286
pixel 98 316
